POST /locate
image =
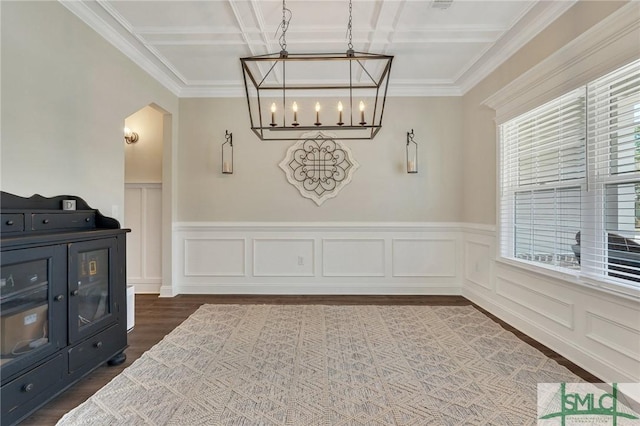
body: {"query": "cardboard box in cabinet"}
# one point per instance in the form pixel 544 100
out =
pixel 24 331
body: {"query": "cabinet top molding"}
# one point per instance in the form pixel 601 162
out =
pixel 28 213
pixel 10 201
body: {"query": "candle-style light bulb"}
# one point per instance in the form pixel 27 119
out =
pixel 273 114
pixel 340 123
pixel 317 123
pixel 362 122
pixel 295 114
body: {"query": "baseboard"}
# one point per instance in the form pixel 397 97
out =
pixel 146 287
pixel 387 289
pixel 167 291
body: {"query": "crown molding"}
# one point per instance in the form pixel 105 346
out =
pixel 534 21
pixel 423 88
pixel 129 47
pixel 109 25
pixel 607 45
pixel 213 91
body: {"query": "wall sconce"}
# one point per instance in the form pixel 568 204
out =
pixel 129 136
pixel 412 154
pixel 227 153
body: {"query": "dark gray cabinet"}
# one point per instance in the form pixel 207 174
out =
pixel 62 299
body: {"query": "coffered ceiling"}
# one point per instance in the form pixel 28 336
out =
pixel 441 47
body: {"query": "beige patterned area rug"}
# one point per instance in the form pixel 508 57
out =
pixel 328 365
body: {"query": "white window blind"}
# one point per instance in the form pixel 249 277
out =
pixel 543 173
pixel 611 240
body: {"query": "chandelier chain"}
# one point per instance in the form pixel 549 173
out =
pixel 349 25
pixel 284 25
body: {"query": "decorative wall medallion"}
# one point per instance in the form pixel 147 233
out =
pixel 319 166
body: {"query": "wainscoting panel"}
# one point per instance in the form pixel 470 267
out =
pixel 215 257
pixel 317 258
pixel 613 330
pixel 424 258
pixel 478 266
pixel 353 258
pixel 613 335
pixel 533 296
pixel 594 328
pixel 133 217
pixel 153 235
pixel 283 257
pixel 143 215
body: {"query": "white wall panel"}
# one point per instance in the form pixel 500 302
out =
pixel 538 302
pixel 478 257
pixel 153 234
pixel 596 329
pixel 283 257
pixel 214 257
pixel 317 258
pixel 353 257
pixel 133 212
pixel 143 215
pixel 614 335
pixel 424 258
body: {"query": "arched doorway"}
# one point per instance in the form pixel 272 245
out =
pixel 144 198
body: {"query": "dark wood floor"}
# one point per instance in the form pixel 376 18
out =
pixel 155 317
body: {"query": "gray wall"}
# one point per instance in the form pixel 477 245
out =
pixel 65 95
pixel 380 190
pixel 479 153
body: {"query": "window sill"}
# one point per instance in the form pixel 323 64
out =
pixel 610 287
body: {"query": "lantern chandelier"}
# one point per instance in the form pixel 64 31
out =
pixel 292 93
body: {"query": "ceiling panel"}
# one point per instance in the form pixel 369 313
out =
pixel 199 63
pixel 174 13
pixel 501 14
pixel 193 47
pixel 436 61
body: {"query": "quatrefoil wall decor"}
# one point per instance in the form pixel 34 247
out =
pixel 319 166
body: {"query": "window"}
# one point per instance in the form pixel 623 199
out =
pixel 612 237
pixel 543 175
pixel 570 181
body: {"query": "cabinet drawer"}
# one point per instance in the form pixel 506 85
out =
pixel 27 386
pixel 12 222
pixel 94 348
pixel 79 220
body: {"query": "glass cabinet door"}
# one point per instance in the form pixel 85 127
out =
pixel 29 303
pixel 90 287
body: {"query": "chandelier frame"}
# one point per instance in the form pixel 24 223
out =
pixel 265 77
